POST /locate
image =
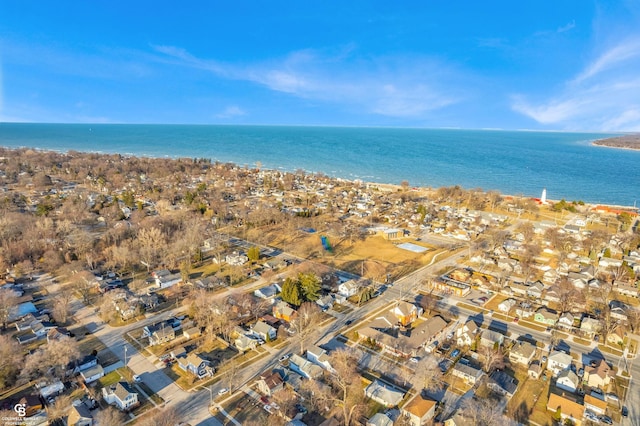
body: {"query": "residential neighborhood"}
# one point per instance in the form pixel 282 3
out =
pixel 256 296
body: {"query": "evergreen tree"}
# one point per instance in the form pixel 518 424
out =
pixel 253 254
pixel 310 285
pixel 291 292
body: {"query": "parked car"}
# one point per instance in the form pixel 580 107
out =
pixel 223 391
pixel 414 359
pixel 605 419
pixel 136 378
pixel 516 319
pixel 590 415
pixel 625 411
pixel 581 372
pixel 455 353
pixel 284 357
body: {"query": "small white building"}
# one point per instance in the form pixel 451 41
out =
pixel 568 380
pixel 348 288
pixel 120 395
pixel 558 361
pixel 92 374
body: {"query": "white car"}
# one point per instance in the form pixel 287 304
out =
pixel 223 391
pixel 136 378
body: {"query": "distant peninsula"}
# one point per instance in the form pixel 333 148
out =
pixel 622 142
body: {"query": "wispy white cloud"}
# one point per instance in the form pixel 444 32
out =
pixel 616 56
pixel 568 27
pixel 390 86
pixel 231 111
pixel 605 95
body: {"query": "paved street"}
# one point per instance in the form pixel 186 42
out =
pixel 193 406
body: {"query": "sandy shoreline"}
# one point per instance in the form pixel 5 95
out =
pixel 628 142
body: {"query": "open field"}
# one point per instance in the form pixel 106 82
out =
pixel 523 409
pixel 382 255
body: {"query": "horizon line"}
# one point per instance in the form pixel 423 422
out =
pixel 355 126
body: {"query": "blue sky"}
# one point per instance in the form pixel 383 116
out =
pixel 568 65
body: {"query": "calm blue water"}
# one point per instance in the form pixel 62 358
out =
pixel 512 162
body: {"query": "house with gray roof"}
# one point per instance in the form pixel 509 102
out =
pixel 121 395
pixel 522 353
pixel 502 383
pixel 264 331
pixel 466 372
pixel 384 394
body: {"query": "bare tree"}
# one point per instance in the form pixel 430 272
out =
pixel 62 305
pixel 10 360
pixel 83 282
pixel 110 416
pixel 482 411
pixel 50 359
pixel 430 375
pixel 167 416
pixel 59 408
pixel 428 302
pixel 306 322
pixel 8 303
pixel 492 358
pixel 150 242
pixel 231 374
pixel 345 387
pixel 286 399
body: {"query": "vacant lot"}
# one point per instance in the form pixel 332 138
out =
pixel 245 410
pixel 530 403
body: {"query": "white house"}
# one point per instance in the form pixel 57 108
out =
pixel 566 319
pixel 319 356
pixel 120 395
pixel 165 281
pixel 568 380
pixel 522 353
pixel 245 343
pixel 304 367
pixel 466 334
pixel 506 305
pixel 92 374
pixel 558 361
pixel 348 288
pixel 265 331
pixel 385 395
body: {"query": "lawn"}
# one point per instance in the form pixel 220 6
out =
pixel 86 341
pixel 470 307
pixel 523 409
pixel 109 379
pixel 531 325
pixel 245 410
pixel 493 303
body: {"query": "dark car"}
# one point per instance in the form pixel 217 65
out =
pixel 605 419
pixel 625 411
pixel 348 322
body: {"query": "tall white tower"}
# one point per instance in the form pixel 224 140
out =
pixel 543 198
